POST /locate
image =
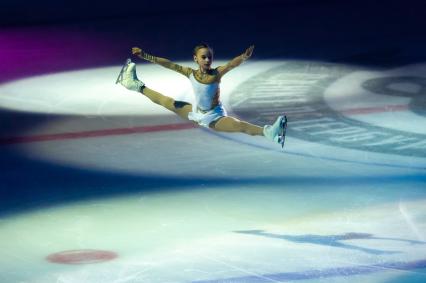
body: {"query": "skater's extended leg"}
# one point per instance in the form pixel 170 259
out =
pixel 181 108
pixel 129 80
pixel 233 125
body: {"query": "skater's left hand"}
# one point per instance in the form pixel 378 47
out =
pixel 249 51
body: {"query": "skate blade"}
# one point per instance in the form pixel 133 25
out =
pixel 123 69
pixel 281 137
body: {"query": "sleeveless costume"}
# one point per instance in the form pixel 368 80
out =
pixel 204 109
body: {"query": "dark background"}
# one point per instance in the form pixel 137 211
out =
pixel 325 29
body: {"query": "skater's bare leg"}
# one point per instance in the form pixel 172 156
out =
pixel 179 107
pixel 233 125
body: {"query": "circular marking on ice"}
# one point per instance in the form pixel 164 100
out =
pixel 81 257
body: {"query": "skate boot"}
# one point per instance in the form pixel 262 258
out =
pixel 277 131
pixel 128 77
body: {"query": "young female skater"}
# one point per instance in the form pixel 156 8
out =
pixel 207 110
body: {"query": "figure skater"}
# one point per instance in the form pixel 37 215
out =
pixel 207 110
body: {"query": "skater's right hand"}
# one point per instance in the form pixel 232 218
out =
pixel 137 51
pixel 143 55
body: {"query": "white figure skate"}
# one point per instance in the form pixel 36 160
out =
pixel 128 77
pixel 277 131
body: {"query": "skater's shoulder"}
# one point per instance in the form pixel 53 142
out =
pixel 186 71
pixel 209 78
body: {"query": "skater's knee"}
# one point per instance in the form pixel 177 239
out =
pixel 180 104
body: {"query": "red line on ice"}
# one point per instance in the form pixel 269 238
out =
pixel 161 128
pixel 96 133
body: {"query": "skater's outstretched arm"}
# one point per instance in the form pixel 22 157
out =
pixel 236 61
pixel 186 71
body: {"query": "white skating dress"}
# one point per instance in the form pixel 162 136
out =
pixel 203 111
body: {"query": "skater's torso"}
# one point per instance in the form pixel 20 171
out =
pixel 206 88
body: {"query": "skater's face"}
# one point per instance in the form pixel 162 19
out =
pixel 204 58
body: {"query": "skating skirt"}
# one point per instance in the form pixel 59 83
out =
pixel 204 118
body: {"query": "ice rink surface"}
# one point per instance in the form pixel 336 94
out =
pixel 101 185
